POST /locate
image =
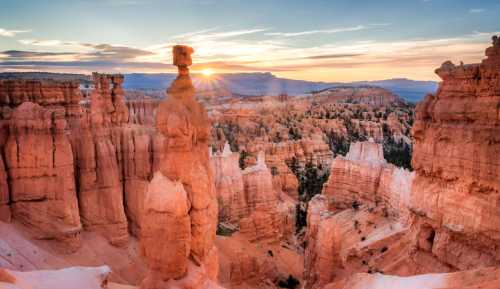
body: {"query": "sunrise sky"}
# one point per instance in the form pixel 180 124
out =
pixel 325 40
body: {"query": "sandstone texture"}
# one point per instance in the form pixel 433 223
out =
pixel 70 158
pixel 144 185
pixel 249 200
pixel 166 218
pixel 456 158
pixel 229 185
pixel 180 205
pixel 73 277
pixel 375 218
pixel 365 177
pixel 300 132
pixel 142 111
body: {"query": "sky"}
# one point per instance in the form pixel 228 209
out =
pixel 318 40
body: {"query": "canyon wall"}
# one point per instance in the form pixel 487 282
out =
pixel 363 176
pixel 248 200
pixel 142 111
pixel 360 221
pixel 456 158
pixel 39 160
pixel 443 217
pixel 69 161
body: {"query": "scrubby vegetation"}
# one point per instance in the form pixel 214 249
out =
pixel 311 179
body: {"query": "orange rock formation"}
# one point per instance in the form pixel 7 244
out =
pixel 248 199
pixel 180 204
pixel 375 218
pixel 95 157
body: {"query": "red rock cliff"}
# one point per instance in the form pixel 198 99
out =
pixel 66 163
pixel 457 161
pixel 373 218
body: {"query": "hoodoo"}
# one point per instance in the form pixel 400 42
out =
pixel 180 205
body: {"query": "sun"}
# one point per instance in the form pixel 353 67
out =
pixel 207 72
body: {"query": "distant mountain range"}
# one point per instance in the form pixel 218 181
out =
pixel 252 84
pixel 247 84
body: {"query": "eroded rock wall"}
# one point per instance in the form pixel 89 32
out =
pixel 69 161
pixel 457 163
pixel 365 177
pixel 360 221
pixel 443 217
pixel 248 199
pixel 142 111
pixel 39 160
pixel 96 143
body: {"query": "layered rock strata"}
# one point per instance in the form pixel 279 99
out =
pixel 365 177
pixel 94 158
pixel 248 200
pixel 229 185
pixel 441 218
pixel 456 158
pixel 360 221
pixel 142 111
pixel 96 144
pixel 271 214
pixel 39 161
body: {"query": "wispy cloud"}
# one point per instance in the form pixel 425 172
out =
pixel 36 42
pixel 476 10
pixel 332 56
pixel 11 33
pixel 110 52
pixel 383 24
pixel 319 31
pixel 211 34
pixel 235 51
pixel 82 52
pixel 20 54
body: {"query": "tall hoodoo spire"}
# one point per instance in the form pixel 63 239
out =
pixel 180 203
